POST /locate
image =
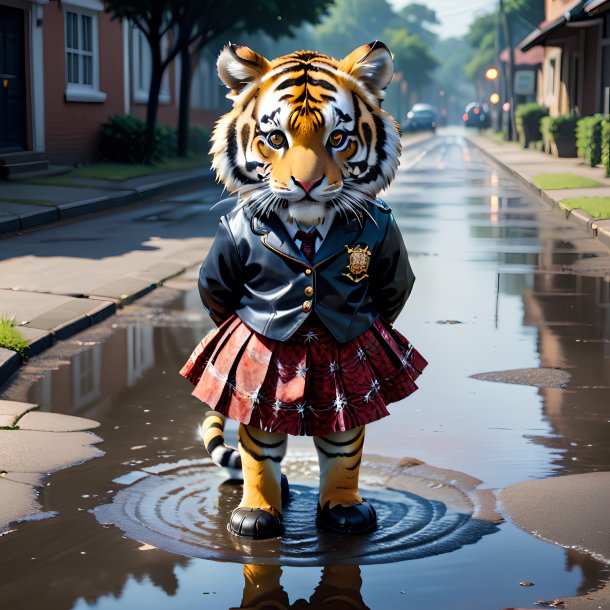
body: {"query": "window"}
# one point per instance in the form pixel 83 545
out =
pixel 142 69
pixel 82 57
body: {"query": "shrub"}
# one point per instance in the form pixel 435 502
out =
pixel 166 143
pixel 605 138
pixel 527 119
pixel 589 139
pixel 123 140
pixel 559 134
pixel 199 140
pixel 11 338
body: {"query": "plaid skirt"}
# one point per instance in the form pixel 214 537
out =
pixel 308 385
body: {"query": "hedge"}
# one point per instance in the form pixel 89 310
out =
pixel 527 119
pixel 606 144
pixel 122 140
pixel 589 139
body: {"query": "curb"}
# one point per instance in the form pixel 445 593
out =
pixel 10 223
pixel 596 227
pixel 59 324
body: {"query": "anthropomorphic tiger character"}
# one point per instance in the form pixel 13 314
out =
pixel 304 279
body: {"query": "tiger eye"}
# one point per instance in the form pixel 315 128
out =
pixel 277 139
pixel 337 138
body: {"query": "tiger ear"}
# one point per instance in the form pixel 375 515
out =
pixel 372 64
pixel 238 66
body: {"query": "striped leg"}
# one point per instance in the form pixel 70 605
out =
pixel 259 514
pixel 341 509
pixel 212 432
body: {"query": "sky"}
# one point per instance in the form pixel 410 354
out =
pixel 455 15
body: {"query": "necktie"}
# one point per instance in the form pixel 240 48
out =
pixel 308 242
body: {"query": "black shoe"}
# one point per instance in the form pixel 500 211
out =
pixel 255 523
pixel 357 519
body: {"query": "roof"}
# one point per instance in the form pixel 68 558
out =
pixel 533 57
pixel 594 7
pixel 547 28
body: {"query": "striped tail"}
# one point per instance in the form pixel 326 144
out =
pixel 222 455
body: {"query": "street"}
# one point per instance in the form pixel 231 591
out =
pixel 511 307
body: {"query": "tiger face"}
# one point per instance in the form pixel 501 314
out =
pixel 306 133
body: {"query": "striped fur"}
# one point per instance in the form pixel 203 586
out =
pixel 340 456
pixel 212 433
pixel 306 97
pixel 260 455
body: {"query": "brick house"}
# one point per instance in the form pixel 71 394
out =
pixel 65 67
pixel 575 72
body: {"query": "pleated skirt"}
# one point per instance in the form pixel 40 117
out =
pixel 308 385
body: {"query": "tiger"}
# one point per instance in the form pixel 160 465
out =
pixel 303 114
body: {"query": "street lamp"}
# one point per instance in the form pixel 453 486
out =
pixel 491 74
pixel 494 98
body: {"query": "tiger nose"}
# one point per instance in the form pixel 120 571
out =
pixel 308 185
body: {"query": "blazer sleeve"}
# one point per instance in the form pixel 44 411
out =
pixel 220 285
pixel 393 278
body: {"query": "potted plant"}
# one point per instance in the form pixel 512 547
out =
pixel 563 135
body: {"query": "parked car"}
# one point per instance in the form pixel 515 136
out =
pixel 475 115
pixel 421 116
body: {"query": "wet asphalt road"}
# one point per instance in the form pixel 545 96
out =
pixel 503 283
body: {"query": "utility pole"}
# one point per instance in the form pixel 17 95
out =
pixel 510 73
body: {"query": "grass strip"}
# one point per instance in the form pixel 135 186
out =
pixel 598 207
pixel 11 338
pixel 123 171
pixel 563 181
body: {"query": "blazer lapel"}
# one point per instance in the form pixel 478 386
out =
pixel 275 237
pixel 340 234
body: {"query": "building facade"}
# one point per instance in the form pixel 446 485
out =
pixel 575 72
pixel 65 67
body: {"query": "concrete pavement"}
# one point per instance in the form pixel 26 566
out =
pixel 526 164
pixel 28 204
pixel 71 276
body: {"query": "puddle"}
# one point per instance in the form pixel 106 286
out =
pixel 185 509
pixel 511 285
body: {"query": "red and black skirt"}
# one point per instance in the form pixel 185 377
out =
pixel 308 385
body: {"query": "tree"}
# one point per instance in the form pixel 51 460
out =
pixel 155 19
pixel 205 20
pixel 411 58
pixel 351 23
pixel 416 17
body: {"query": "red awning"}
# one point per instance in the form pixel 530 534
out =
pixel 533 57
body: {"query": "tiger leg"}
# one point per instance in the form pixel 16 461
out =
pixel 341 508
pixel 259 514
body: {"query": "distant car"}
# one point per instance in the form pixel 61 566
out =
pixel 421 116
pixel 475 115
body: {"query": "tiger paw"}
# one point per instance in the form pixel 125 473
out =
pixel 255 523
pixel 357 519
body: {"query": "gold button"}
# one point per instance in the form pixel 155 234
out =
pixel 309 291
pixel 307 271
pixel 306 305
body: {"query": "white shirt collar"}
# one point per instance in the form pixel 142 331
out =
pixel 292 226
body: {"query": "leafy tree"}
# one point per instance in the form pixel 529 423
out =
pixel 412 58
pixel 416 17
pixel 351 23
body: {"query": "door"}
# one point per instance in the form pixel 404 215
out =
pixel 12 80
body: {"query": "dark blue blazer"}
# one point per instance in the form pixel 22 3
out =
pixel 360 271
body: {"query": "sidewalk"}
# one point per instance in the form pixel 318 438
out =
pixel 528 165
pixel 31 203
